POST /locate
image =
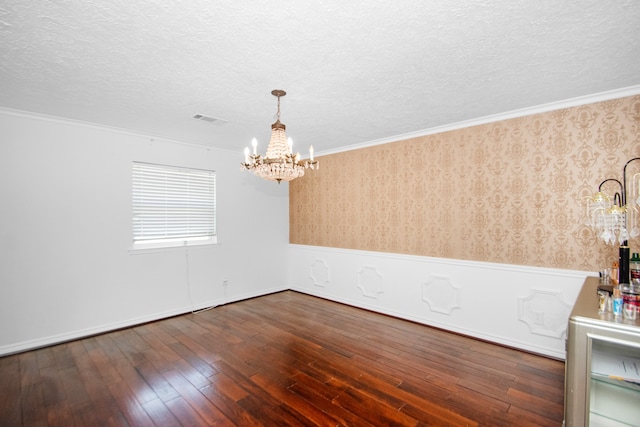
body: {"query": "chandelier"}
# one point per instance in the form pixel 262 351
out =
pixel 616 219
pixel 279 163
pixel 608 218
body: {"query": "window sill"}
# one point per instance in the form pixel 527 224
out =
pixel 151 247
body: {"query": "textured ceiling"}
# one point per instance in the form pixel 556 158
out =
pixel 354 71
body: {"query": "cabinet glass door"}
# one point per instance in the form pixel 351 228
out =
pixel 614 386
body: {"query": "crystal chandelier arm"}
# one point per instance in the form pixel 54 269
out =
pixel 624 181
pixel 617 200
pixel 635 189
pixel 617 193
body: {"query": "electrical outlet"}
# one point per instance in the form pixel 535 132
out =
pixel 225 282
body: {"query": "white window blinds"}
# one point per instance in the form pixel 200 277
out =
pixel 173 205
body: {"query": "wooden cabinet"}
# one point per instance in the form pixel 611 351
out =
pixel 602 382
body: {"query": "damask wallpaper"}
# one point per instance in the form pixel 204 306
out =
pixel 510 192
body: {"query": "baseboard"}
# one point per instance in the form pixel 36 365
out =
pixel 28 345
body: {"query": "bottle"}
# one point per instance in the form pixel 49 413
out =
pixel 614 273
pixel 617 302
pixel 634 269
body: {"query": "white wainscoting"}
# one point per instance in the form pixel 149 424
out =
pixel 518 306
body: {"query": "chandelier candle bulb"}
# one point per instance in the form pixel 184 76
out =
pixel 311 153
pixel 290 143
pixel 254 143
pixel 246 154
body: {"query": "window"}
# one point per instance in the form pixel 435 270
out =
pixel 173 206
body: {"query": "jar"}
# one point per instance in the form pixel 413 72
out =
pixel 631 295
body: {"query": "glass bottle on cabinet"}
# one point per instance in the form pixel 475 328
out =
pixel 602 370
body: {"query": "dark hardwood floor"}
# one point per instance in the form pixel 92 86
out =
pixel 281 359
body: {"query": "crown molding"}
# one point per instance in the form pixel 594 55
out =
pixel 101 127
pixel 523 112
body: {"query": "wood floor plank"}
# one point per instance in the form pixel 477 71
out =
pixel 104 407
pixel 224 394
pixel 159 353
pixel 277 360
pixel 85 414
pixel 160 414
pixel 321 396
pixel 29 369
pixel 51 386
pixel 184 413
pixel 548 392
pixel 302 407
pixel 253 391
pixel 74 386
pixel 62 356
pixel 131 345
pixel 400 398
pixel 194 397
pixel 129 405
pixel 535 404
pixel 372 410
pixel 103 366
pixel 34 409
pixel 266 414
pixel 109 346
pixel 237 357
pixel 10 401
pixel 195 361
pixel 477 406
pixel 45 357
pixel 189 373
pixel 135 382
pixel 527 418
pixel 199 346
pixel 63 416
pixel 156 381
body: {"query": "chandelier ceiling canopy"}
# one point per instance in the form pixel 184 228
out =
pixel 279 163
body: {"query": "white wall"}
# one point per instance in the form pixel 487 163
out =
pixel 65 232
pixel 522 307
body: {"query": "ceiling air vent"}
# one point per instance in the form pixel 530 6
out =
pixel 209 119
